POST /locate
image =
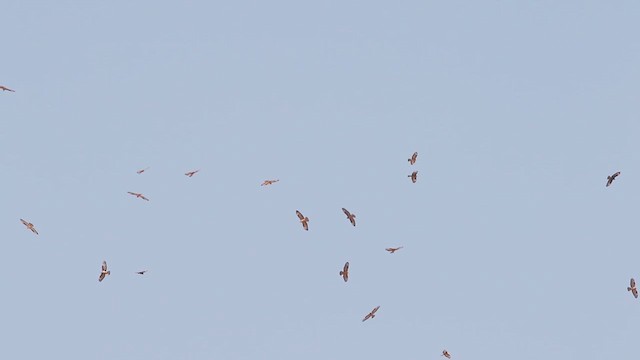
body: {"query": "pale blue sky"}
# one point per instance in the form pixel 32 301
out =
pixel 514 248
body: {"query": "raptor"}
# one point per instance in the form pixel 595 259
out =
pixel 392 250
pixel 413 176
pixel 303 220
pixel 269 182
pixel 350 216
pixel 611 178
pixel 345 272
pixel 632 288
pixel 29 226
pixel 372 314
pixel 138 195
pixel 413 158
pixel 191 173
pixel 104 271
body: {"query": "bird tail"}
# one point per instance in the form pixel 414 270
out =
pixel 109 272
pixel 628 289
pixel 341 272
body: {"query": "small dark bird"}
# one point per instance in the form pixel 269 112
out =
pixel 632 288
pixel 303 219
pixel 142 170
pixel 104 271
pixel 371 315
pixel 446 354
pixel 414 177
pixel 141 272
pixel 413 158
pixel 3 88
pixel 140 196
pixel 191 173
pixel 392 250
pixel 345 272
pixel 269 182
pixel 30 226
pixel 611 178
pixel 350 216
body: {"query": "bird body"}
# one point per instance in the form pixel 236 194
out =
pixel 446 354
pixel 142 170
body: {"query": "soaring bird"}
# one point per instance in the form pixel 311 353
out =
pixel 350 216
pixel 612 177
pixel 141 272
pixel 303 219
pixel 142 170
pixel 269 182
pixel 3 88
pixel 191 173
pixel 138 195
pixel 345 272
pixel 446 354
pixel 413 158
pixel 632 288
pixel 392 250
pixel 414 176
pixel 371 314
pixel 104 271
pixel 29 226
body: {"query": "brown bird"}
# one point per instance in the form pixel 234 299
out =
pixel 191 173
pixel 611 178
pixel 414 177
pixel 142 170
pixel 345 272
pixel 350 216
pixel 446 354
pixel 29 226
pixel 269 182
pixel 141 272
pixel 6 89
pixel 371 314
pixel 413 158
pixel 632 288
pixel 392 250
pixel 104 271
pixel 303 219
pixel 138 195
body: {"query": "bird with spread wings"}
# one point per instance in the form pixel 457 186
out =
pixel 632 288
pixel 138 195
pixel 104 271
pixel 269 182
pixel 29 226
pixel 372 314
pixel 350 216
pixel 611 178
pixel 392 250
pixel 446 354
pixel 303 220
pixel 413 158
pixel 414 177
pixel 345 272
pixel 191 173
pixel 142 170
pixel 4 88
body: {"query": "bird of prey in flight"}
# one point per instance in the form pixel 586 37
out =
pixel 446 354
pixel 414 177
pixel 104 271
pixel 413 158
pixel 142 170
pixel 3 88
pixel 138 195
pixel 392 250
pixel 269 182
pixel 611 178
pixel 372 314
pixel 632 288
pixel 29 226
pixel 191 173
pixel 141 272
pixel 303 219
pixel 350 216
pixel 345 272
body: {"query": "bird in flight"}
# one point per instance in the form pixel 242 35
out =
pixel 269 182
pixel 191 173
pixel 138 195
pixel 345 272
pixel 303 219
pixel 3 88
pixel 392 250
pixel 632 288
pixel 414 176
pixel 372 314
pixel 104 271
pixel 141 272
pixel 29 226
pixel 446 354
pixel 413 158
pixel 611 178
pixel 350 216
pixel 142 170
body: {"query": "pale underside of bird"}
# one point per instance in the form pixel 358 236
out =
pixel 4 88
pixel 446 354
pixel 611 178
pixel 303 220
pixel 191 173
pixel 142 170
pixel 138 195
pixel 413 176
pixel 392 250
pixel 372 314
pixel 141 272
pixel 29 226
pixel 269 182
pixel 632 288
pixel 345 272
pixel 104 271
pixel 350 216
pixel 413 158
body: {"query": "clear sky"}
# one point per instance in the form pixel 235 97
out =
pixel 513 246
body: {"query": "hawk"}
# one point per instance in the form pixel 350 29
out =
pixel 350 216
pixel 191 173
pixel 371 315
pixel 30 226
pixel 446 354
pixel 104 271
pixel 345 272
pixel 141 272
pixel 414 177
pixel 632 288
pixel 142 170
pixel 413 158
pixel 138 195
pixel 269 182
pixel 392 250
pixel 611 178
pixel 3 88
pixel 303 219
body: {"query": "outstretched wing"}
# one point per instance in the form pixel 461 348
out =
pixel 300 216
pixel 102 275
pixel 345 272
pixel 366 317
pixel 632 282
pixel 24 222
pixel 346 212
pixel 104 266
pixel 144 198
pixel 634 291
pixel 305 225
pixel 375 309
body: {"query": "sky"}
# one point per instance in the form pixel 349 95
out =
pixel 513 246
